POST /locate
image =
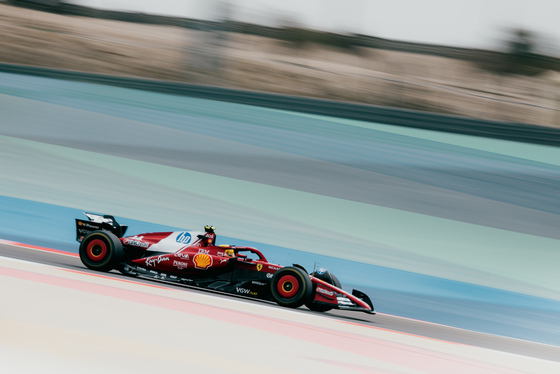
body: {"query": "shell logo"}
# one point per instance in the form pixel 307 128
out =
pixel 202 261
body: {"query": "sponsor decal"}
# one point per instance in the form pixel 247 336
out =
pixel 268 275
pixel 321 271
pixel 222 260
pixel 258 283
pixel 205 251
pixel 325 292
pixel 135 241
pixel 180 264
pixel 87 225
pixel 202 261
pixel 184 238
pixel 245 291
pixel 184 256
pixel 259 267
pixel 152 261
pixel 174 277
pixel 84 231
pixel 273 267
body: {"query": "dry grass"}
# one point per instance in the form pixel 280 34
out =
pixel 374 76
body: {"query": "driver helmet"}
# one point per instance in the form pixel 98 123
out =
pixel 230 252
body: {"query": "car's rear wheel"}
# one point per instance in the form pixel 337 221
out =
pixel 101 250
pixel 291 287
pixel 330 279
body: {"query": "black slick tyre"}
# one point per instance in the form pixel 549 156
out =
pixel 291 287
pixel 101 251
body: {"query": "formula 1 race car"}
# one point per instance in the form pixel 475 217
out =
pixel 193 258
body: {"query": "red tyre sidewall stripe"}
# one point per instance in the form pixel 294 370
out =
pixel 91 245
pixel 283 281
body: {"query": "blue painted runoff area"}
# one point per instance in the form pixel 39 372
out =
pixel 393 291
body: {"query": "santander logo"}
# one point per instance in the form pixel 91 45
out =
pixel 325 292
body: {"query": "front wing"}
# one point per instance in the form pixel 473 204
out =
pixel 327 294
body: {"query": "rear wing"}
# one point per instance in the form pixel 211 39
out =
pixel 97 222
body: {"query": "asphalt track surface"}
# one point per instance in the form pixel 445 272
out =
pixel 64 320
pixel 380 320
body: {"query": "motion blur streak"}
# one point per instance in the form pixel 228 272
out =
pixel 28 246
pixel 120 326
pixel 434 226
pixel 282 178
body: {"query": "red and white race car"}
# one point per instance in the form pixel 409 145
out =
pixel 193 258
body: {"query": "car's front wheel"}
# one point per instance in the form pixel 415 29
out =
pixel 101 250
pixel 291 287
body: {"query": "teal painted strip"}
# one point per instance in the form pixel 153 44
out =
pixel 521 151
pixel 112 100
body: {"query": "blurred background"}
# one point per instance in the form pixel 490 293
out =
pixel 495 60
pixel 447 228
